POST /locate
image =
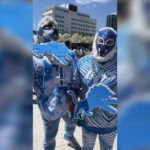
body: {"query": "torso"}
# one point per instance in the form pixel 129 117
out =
pixel 50 84
pixel 92 72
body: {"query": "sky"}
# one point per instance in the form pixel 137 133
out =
pixel 97 9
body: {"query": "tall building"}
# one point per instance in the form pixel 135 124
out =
pixel 112 21
pixel 70 20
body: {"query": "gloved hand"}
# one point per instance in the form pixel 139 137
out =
pixel 56 52
pixel 97 96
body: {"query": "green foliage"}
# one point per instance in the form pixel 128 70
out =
pixel 76 38
pixel 65 37
pixel 87 39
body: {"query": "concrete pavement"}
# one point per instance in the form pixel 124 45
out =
pixel 61 144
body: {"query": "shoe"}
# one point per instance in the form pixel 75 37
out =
pixel 73 143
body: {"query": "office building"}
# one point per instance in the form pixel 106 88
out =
pixel 70 20
pixel 112 21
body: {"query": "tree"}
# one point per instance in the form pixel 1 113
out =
pixel 65 37
pixel 76 38
pixel 87 39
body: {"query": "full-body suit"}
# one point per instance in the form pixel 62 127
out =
pixel 89 72
pixel 52 79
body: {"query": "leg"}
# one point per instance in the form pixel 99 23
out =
pixel 50 128
pixel 89 139
pixel 70 125
pixel 107 140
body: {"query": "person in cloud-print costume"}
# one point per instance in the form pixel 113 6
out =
pixel 51 80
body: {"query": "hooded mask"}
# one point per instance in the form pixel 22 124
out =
pixel 104 45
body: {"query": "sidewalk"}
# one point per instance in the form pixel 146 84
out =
pixel 61 144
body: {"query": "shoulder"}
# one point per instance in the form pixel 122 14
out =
pixel 72 53
pixel 37 60
pixel 84 60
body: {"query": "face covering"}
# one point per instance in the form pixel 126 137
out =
pixel 104 45
pixel 47 35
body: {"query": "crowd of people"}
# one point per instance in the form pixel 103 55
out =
pixel 61 78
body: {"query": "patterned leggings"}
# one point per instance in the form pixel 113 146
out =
pixel 106 140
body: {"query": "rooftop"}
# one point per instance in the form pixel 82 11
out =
pixel 69 7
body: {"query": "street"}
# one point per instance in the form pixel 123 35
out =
pixel 61 144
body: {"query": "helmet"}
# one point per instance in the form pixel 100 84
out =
pixel 104 45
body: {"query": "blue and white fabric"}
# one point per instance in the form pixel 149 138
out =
pixel 89 73
pixel 53 67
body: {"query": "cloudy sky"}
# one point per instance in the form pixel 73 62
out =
pixel 97 9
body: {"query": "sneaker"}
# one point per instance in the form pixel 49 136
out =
pixel 73 143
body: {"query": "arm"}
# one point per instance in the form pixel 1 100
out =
pixel 42 69
pixel 38 73
pixel 78 82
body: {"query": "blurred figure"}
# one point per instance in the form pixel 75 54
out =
pixel 78 52
pixel 134 74
pixel 82 53
pixel 74 50
pixel 15 91
pixel 67 43
pixel 16 75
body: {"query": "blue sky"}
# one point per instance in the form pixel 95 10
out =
pixel 97 9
